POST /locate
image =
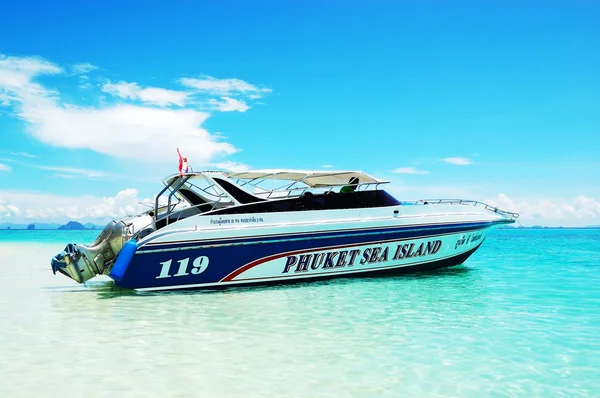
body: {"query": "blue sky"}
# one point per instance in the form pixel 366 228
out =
pixel 94 99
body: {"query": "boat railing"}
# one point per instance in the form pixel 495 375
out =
pixel 466 202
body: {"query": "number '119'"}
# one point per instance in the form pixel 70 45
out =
pixel 199 265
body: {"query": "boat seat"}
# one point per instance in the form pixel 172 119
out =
pixel 308 201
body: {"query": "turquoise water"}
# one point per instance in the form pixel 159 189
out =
pixel 520 318
pixel 48 236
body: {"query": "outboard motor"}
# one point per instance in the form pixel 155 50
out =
pixel 82 263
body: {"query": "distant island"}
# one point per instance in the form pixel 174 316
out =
pixel 72 225
pixel 69 226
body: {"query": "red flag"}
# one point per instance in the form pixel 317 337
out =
pixel 180 163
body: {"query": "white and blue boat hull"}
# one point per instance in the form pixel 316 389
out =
pixel 260 259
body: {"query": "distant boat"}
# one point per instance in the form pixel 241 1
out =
pixel 222 229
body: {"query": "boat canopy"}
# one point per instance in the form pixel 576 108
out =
pixel 313 179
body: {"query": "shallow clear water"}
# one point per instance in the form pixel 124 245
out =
pixel 519 318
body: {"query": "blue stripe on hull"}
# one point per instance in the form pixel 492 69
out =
pixel 145 268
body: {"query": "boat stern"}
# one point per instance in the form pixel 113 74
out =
pixel 113 248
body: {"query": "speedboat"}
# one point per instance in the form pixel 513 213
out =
pixel 216 229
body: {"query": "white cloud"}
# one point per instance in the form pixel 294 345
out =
pixel 80 69
pixel 458 161
pixel 67 176
pixel 149 95
pixel 124 203
pixel 127 131
pixel 24 67
pixel 223 86
pixel 327 166
pixel 228 104
pixel 409 170
pixel 8 210
pixel 16 75
pixel 4 167
pixel 23 207
pixel 5 99
pixel 581 211
pixel 231 166
pixel 72 172
pixel 24 154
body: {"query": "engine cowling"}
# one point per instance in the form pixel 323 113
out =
pixel 81 263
